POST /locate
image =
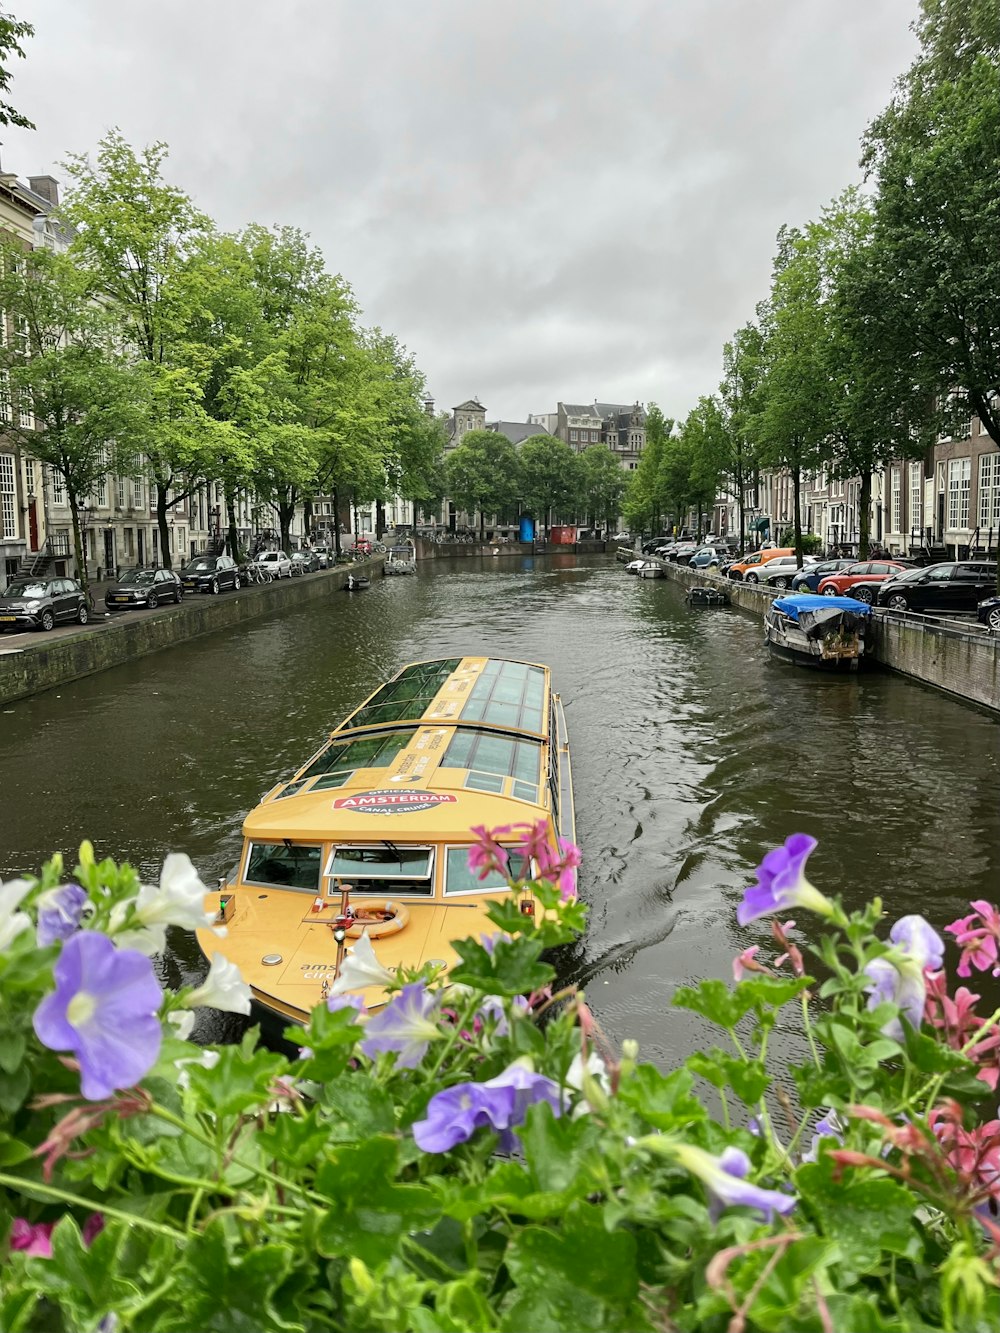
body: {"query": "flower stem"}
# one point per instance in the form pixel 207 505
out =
pixel 30 1187
pixel 807 1024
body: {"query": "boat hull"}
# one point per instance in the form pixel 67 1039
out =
pixel 813 662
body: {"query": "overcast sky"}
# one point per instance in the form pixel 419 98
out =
pixel 543 199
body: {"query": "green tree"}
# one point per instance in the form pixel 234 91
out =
pixel 83 397
pixel 12 32
pixel 791 425
pixel 645 500
pixel 484 473
pixel 133 237
pixel 551 478
pixel 742 370
pixel 707 440
pixel 935 157
pixel 604 483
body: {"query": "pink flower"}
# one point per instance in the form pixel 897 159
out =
pixel 747 963
pixel 559 869
pixel 35 1241
pixel 535 843
pixel 957 1020
pixel 978 935
pixel 486 854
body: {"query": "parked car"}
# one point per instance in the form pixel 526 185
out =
pixel 810 579
pixel 861 580
pixel 781 573
pixel 747 568
pixel 683 552
pixel 650 545
pixel 711 557
pixel 210 573
pixel 304 562
pixel 988 613
pixel 40 603
pixel 144 587
pixel 959 586
pixel 324 555
pixel 276 562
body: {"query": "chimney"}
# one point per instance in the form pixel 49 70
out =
pixel 46 186
pixel 429 406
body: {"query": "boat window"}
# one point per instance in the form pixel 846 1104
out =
pixel 292 789
pixel 384 868
pixel 458 878
pixel 487 752
pixel 333 780
pixel 376 751
pixel 285 867
pixel 484 782
pixel 507 694
pixel 526 791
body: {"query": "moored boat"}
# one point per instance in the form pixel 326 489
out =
pixel 357 583
pixel 400 560
pixel 827 633
pixel 707 597
pixel 371 835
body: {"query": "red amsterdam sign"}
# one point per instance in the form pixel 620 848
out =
pixel 393 802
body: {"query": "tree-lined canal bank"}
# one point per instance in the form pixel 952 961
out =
pixel 693 754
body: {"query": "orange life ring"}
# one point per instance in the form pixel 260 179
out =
pixel 381 917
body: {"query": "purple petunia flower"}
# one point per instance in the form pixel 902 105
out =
pixel 492 1008
pixel 725 1179
pixel 405 1026
pixel 903 982
pixel 59 913
pixel 781 883
pixel 828 1127
pixel 453 1116
pixel 355 1002
pixel 104 1010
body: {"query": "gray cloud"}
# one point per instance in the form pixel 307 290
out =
pixel 543 199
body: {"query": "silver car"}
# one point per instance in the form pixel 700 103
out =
pixel 781 573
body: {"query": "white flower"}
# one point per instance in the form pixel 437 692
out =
pixel 360 968
pixel 590 1080
pixel 207 1060
pixel 183 1021
pixel 12 922
pixel 223 988
pixel 178 900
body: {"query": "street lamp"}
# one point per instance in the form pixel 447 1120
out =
pixel 83 509
pixel 109 548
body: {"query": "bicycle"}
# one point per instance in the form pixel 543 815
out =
pixel 258 574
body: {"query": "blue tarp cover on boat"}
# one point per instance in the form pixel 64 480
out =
pixel 794 606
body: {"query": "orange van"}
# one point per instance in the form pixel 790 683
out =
pixel 743 569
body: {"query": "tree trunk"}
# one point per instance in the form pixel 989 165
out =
pixel 286 512
pixel 161 523
pixel 336 520
pixel 81 564
pixel 307 518
pixel 379 519
pixel 796 500
pixel 482 525
pixel 233 538
pixel 740 492
pixel 864 516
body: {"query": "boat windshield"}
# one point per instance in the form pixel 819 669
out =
pixel 383 869
pixel 284 866
pixel 458 878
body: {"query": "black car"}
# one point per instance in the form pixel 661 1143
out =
pixel 958 586
pixel 40 603
pixel 211 573
pixel 988 613
pixel 305 562
pixel 144 587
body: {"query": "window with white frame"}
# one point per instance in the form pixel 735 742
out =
pixel 573 435
pixel 4 394
pixel 3 329
pixel 136 492
pixel 20 340
pixel 25 414
pixel 959 472
pixel 916 497
pixel 989 491
pixel 58 488
pixel 896 499
pixel 8 509
pixel 121 492
pixel 101 492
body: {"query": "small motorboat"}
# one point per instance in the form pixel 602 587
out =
pixel 650 569
pixel 401 560
pixel 826 633
pixel 356 583
pixel 707 597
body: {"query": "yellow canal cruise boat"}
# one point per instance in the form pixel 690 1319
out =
pixel 371 835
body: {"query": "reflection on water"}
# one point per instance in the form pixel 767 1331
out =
pixel 693 754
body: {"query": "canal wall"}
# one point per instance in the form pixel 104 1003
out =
pixel 31 665
pixel 428 550
pixel 964 663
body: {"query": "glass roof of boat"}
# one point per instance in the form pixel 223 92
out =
pixel 507 694
pixel 409 695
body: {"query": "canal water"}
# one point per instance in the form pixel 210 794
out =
pixel 693 754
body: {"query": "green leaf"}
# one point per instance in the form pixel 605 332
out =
pixel 513 968
pixel 664 1100
pixel 361 1108
pixel 242 1079
pixel 12 1047
pixel 932 1056
pixel 14 1089
pixel 747 1078
pixel 866 1214
pixel 559 1151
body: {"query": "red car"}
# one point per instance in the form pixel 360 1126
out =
pixel 861 580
